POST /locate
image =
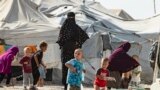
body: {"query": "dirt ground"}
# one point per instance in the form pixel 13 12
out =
pixel 55 87
pixel 52 87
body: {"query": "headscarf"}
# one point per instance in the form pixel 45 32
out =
pixel 120 60
pixel 13 50
pixel 71 32
pixel 7 58
pixel 125 46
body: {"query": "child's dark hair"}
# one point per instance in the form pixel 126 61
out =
pixel 43 44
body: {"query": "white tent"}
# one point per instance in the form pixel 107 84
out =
pixel 48 6
pixel 21 24
pixel 117 13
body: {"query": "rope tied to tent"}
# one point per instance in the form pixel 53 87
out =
pixel 90 64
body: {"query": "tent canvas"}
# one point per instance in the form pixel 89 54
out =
pixel 118 27
pixel 21 24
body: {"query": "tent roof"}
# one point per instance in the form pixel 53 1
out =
pixel 113 19
pixel 118 13
pixel 21 20
pixel 50 5
pixel 19 10
pixel 37 2
pixel 99 13
pixel 27 17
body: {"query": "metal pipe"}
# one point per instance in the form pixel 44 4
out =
pixel 154 1
pixel 156 69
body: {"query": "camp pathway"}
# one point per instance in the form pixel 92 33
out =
pixel 41 88
pixel 54 88
pixel 60 87
pixel 47 88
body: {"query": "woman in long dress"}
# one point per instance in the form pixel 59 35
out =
pixel 71 37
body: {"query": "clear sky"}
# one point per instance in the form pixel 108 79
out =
pixel 138 9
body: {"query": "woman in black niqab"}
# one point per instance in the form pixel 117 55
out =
pixel 71 37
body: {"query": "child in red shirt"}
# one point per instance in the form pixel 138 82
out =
pixel 27 68
pixel 102 76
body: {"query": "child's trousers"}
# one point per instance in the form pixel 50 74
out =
pixel 26 78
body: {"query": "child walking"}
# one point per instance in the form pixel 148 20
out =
pixel 75 70
pixel 36 61
pixel 102 76
pixel 136 79
pixel 27 68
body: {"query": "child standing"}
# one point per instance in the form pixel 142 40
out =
pixel 27 68
pixel 33 50
pixel 36 61
pixel 135 80
pixel 75 70
pixel 102 76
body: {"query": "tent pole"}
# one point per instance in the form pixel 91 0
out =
pixel 155 74
pixel 154 1
pixel 84 1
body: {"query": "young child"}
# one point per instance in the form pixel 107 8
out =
pixel 75 70
pixel 33 50
pixel 36 61
pixel 135 80
pixel 27 68
pixel 102 76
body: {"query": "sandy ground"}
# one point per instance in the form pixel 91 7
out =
pixel 52 87
pixel 55 87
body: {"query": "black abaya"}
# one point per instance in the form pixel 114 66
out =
pixel 71 37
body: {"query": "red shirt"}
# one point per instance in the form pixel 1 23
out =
pixel 99 82
pixel 26 63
